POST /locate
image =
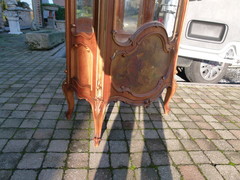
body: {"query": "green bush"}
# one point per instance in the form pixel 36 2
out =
pixel 60 14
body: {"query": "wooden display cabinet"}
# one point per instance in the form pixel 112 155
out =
pixel 121 50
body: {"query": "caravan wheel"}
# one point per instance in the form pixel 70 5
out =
pixel 205 72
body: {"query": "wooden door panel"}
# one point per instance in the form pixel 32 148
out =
pixel 143 62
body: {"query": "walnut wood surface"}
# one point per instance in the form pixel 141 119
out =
pixel 106 64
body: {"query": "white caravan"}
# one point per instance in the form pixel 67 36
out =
pixel 210 40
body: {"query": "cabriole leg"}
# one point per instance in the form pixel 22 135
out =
pixel 170 92
pixel 69 94
pixel 98 111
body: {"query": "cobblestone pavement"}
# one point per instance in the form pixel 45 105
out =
pixel 200 139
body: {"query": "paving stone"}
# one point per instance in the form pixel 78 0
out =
pixel 199 157
pixel 54 108
pixel 125 125
pixel 128 117
pixel 18 114
pixel 35 115
pixel 180 157
pixel 75 174
pixel 191 172
pixel 118 146
pixel 137 146
pixel 79 146
pixel 216 157
pixel 226 134
pixel 140 159
pixel 37 146
pixel 58 146
pixel 62 134
pixel 9 106
pixel 82 116
pixel 236 133
pixel 150 134
pixel 6 133
pixel 99 160
pixel 223 145
pixel 155 145
pixel 5 113
pixel 39 107
pixel 116 135
pixel 82 124
pixel 54 160
pixel 122 174
pixel 191 125
pixel 15 146
pixel 103 146
pixel 173 145
pixel 5 174
pixel 168 172
pixel 133 134
pixel 51 115
pixel 100 174
pixel 217 126
pixel 174 125
pixel 64 124
pixel 228 172
pixel 29 123
pixel 181 134
pixel 147 173
pixel 24 134
pixel 144 125
pixel 80 134
pixel 53 174
pixel 209 118
pixel 211 134
pixel 195 133
pixel 230 126
pixel 77 160
pixel 233 156
pixel 235 144
pixel 43 134
pixel 155 117
pixel 160 158
pixel 205 144
pixel 9 160
pixel 47 124
pixel 31 161
pixel 120 160
pixel 2 143
pixel 210 172
pixel 204 125
pixel 166 134
pixel 11 123
pixel 197 118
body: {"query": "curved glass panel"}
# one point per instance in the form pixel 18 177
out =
pixel 131 14
pixel 84 16
pixel 166 12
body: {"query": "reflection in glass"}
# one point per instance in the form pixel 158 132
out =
pixel 131 14
pixel 84 8
pixel 166 13
pixel 84 16
pixel 131 11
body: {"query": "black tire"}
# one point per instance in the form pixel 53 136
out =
pixel 181 73
pixel 205 71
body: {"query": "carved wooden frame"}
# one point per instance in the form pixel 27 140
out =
pixel 92 57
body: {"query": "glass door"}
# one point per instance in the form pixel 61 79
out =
pixel 84 16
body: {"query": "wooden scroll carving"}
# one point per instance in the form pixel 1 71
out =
pixel 108 62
